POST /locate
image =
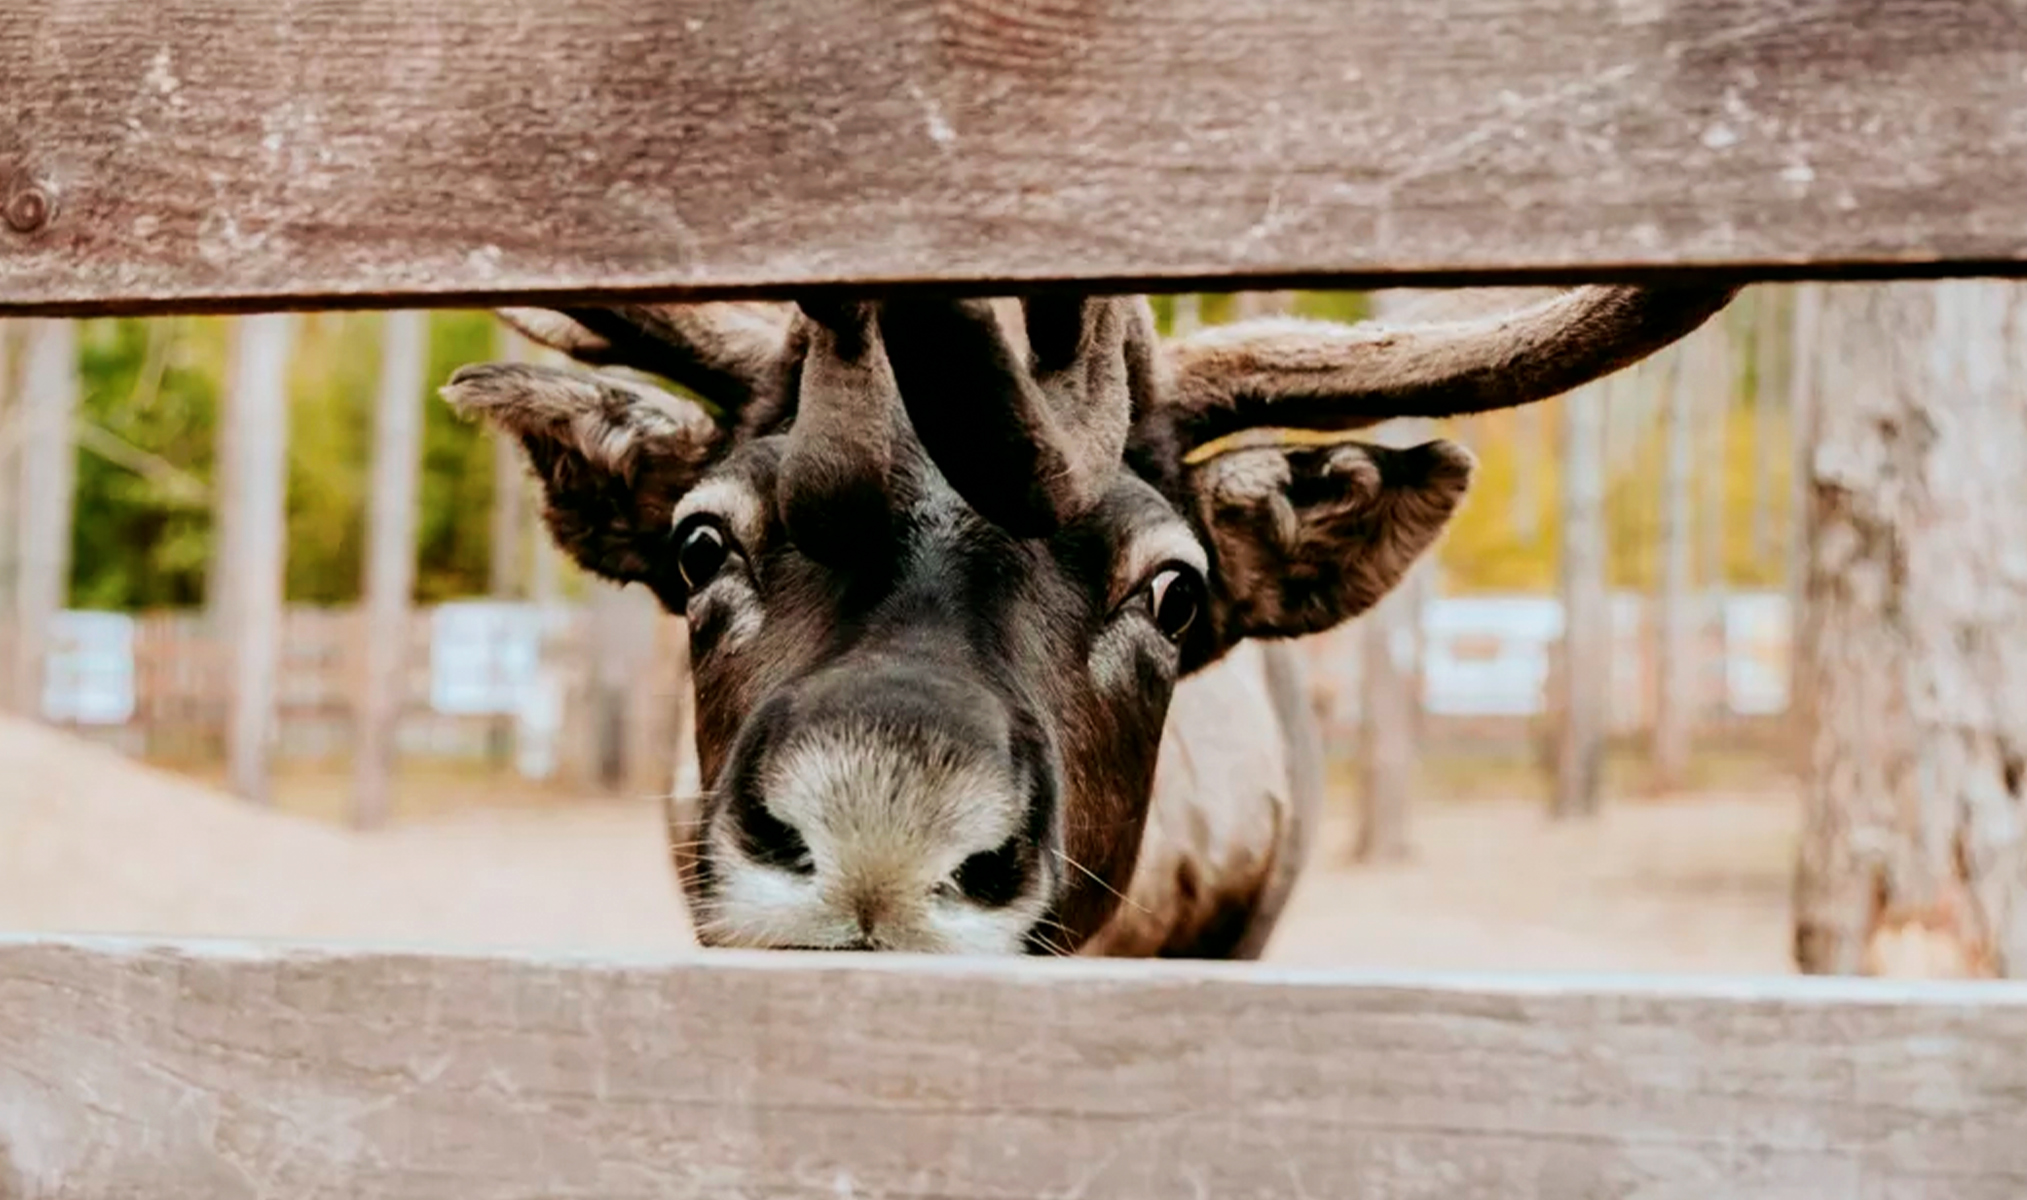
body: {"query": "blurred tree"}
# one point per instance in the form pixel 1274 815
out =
pixel 331 380
pixel 1674 624
pixel 47 415
pixel 1584 677
pixel 150 422
pixel 1913 860
pixel 148 414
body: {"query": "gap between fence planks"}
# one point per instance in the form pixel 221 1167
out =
pixel 196 155
pixel 219 1070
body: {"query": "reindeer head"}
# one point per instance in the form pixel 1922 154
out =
pixel 943 562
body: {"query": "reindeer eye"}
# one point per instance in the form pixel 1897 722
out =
pixel 1173 597
pixel 701 555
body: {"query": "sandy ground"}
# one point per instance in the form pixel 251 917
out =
pixel 91 842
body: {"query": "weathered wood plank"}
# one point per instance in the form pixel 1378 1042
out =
pixel 131 1069
pixel 247 153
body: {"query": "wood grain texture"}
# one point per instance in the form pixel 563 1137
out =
pixel 220 154
pixel 227 1071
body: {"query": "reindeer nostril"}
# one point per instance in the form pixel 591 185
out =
pixel 995 877
pixel 768 839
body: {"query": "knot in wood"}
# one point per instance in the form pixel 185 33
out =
pixel 27 208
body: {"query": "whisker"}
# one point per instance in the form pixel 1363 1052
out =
pixel 1101 883
pixel 1053 948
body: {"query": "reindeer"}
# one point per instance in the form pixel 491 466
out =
pixel 987 599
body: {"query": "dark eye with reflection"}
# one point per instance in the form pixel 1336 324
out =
pixel 1172 597
pixel 701 554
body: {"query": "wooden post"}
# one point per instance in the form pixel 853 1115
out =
pixel 390 562
pixel 1584 681
pixel 1672 698
pixel 47 481
pixel 258 477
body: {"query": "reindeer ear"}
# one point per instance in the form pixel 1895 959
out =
pixel 613 457
pixel 1305 537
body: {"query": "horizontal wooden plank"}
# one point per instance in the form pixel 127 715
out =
pixel 234 154
pixel 160 1070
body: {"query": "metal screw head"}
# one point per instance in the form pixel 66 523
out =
pixel 27 210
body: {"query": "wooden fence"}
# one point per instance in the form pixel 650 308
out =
pixel 215 155
pixel 177 689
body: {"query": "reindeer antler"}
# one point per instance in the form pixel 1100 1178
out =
pixel 730 353
pixel 1294 373
pixel 1037 430
pixel 837 476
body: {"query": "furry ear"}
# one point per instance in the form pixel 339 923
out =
pixel 613 456
pixel 1303 538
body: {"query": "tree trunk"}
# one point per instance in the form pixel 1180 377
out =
pixel 622 639
pixel 1390 700
pixel 1584 681
pixel 1716 379
pixel 506 576
pixel 226 518
pixel 1526 499
pixel 1914 852
pixel 510 493
pixel 1672 698
pixel 46 505
pixel 390 561
pixel 1804 347
pixel 258 501
pixel 1770 371
pixel 689 779
pixel 10 528
pixel 1386 752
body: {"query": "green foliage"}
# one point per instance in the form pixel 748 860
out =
pixel 141 540
pixel 154 390
pixel 333 372
pixel 455 531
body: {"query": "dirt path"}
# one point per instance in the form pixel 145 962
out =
pixel 1697 884
pixel 90 842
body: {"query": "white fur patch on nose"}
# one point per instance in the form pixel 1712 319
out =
pixel 871 802
pixel 887 818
